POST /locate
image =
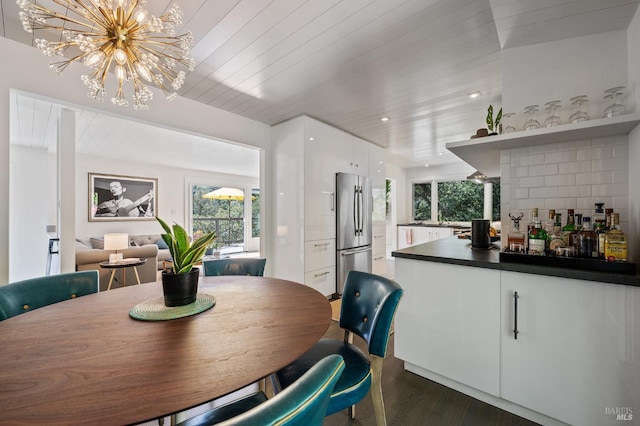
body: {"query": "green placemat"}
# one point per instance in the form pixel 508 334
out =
pixel 155 310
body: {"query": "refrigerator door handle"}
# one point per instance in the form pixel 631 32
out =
pixel 355 210
pixel 354 251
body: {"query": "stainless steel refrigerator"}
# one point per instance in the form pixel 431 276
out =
pixel 353 226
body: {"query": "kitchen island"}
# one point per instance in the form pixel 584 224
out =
pixel 554 345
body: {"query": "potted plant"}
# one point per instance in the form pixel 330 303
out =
pixel 180 280
pixel 492 125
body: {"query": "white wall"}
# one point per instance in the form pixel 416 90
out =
pixel 563 69
pixel 633 50
pixel 31 184
pixel 34 76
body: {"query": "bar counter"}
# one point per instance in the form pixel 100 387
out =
pixel 457 251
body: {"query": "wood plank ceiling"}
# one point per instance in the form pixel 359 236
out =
pixel 350 62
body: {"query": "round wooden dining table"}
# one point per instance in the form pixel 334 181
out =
pixel 86 361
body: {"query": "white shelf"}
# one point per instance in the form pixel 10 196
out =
pixel 484 153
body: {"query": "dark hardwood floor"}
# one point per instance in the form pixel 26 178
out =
pixel 412 400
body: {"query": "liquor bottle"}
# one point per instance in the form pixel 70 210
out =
pixel 537 236
pixel 599 219
pixel 515 238
pixel 602 232
pixel 587 240
pixel 569 227
pixel 615 243
pixel 573 236
pixel 555 238
pixel 548 224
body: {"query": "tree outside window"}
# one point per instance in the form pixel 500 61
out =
pixel 458 201
pixel 422 201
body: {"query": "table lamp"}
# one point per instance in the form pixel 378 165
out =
pixel 116 242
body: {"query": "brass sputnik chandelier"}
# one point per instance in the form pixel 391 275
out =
pixel 116 35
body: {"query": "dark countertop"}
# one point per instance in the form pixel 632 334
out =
pixel 458 251
pixel 435 225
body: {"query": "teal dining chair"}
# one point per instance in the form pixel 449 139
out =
pixel 234 266
pixel 23 296
pixel 302 403
pixel 369 303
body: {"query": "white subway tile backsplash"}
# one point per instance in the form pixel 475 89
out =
pixel 544 192
pixel 577 144
pixel 544 148
pixel 543 170
pixel 574 167
pixel 520 193
pixel 520 171
pixel 568 175
pixel 574 191
pixel 529 203
pixel 560 180
pixel 561 204
pixel 595 153
pixel 530 182
pixel 530 160
pixel 560 156
pixel 610 164
pixel 620 151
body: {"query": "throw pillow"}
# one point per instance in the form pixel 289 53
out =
pixel 97 243
pixel 161 244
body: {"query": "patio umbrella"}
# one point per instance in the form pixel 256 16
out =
pixel 228 194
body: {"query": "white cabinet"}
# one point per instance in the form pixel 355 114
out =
pixel 378 182
pixel 305 158
pixel 576 358
pixel 447 321
pixel 577 352
pixel 354 155
pixel 319 264
pixel 379 248
pixel 413 235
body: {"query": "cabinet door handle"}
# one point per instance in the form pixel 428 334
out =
pixel 321 245
pixel 515 315
pixel 333 201
pixel 378 258
pixel 321 274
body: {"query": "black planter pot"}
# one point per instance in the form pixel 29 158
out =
pixel 180 289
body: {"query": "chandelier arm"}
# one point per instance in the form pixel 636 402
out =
pixel 83 11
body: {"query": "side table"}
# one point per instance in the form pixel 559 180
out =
pixel 123 264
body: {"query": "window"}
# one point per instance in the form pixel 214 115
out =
pixel 224 217
pixel 422 201
pixel 457 201
pixel 255 213
pixel 460 201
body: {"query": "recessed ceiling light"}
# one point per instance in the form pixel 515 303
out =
pixel 384 118
pixel 312 138
pixel 380 162
pixel 441 153
pixel 426 165
pixel 474 95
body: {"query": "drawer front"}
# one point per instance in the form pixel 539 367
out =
pixel 379 266
pixel 379 244
pixel 323 280
pixel 319 254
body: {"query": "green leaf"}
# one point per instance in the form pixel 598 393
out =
pixel 490 118
pixel 498 118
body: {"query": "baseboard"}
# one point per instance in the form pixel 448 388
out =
pixel 503 404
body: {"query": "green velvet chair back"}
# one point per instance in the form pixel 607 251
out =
pixel 237 266
pixel 303 403
pixel 24 296
pixel 368 307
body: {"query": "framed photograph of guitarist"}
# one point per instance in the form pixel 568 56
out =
pixel 117 198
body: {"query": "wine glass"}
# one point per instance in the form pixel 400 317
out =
pixel 581 114
pixel 553 119
pixel 509 128
pixel 531 123
pixel 615 108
